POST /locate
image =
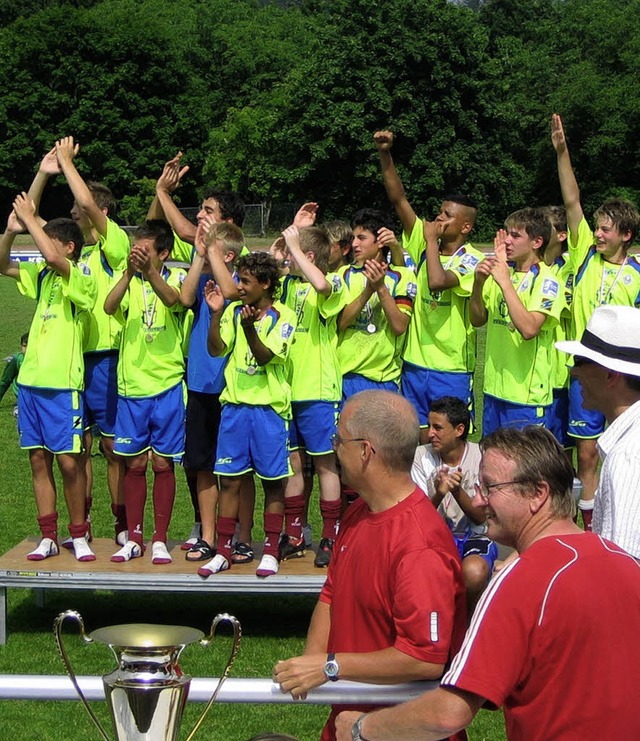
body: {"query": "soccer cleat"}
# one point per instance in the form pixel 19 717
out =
pixel 268 566
pixel 307 536
pixel 196 534
pixel 82 550
pixel 128 551
pixel 325 551
pixel 46 548
pixel 215 566
pixel 290 547
pixel 159 553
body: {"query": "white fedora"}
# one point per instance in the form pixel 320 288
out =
pixel 611 339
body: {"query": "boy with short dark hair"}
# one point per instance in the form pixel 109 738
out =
pixel 605 273
pixel 256 333
pixel 50 382
pixel 10 373
pixel 520 299
pixel 150 392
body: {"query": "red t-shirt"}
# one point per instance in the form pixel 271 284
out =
pixel 395 579
pixel 555 641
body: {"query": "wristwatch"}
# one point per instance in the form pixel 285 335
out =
pixel 331 668
pixel 356 729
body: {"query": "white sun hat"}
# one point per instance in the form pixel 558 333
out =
pixel 611 339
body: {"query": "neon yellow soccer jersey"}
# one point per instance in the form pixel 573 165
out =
pixel 440 336
pixel 518 370
pixel 598 282
pixel 246 381
pixel 106 259
pixel 315 370
pixel 151 359
pixel 563 270
pixel 54 352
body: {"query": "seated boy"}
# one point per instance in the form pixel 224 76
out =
pixel 446 469
pixel 151 409
pixel 256 332
pixel 520 299
pixel 50 381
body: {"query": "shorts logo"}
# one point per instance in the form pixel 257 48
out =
pixel 550 288
pixel 123 441
pixel 224 461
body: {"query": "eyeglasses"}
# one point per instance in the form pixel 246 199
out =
pixel 485 489
pixel 336 440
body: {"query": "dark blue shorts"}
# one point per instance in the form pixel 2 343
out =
pixel 101 392
pixel 252 438
pixel 498 413
pixel 558 417
pixel 422 387
pixel 155 422
pixel 50 419
pixel 583 423
pixel 477 545
pixel 313 424
pixel 353 383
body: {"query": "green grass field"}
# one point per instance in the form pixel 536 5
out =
pixel 273 627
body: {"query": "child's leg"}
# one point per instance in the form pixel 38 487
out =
pixel 135 495
pixel 207 503
pixel 294 502
pixel 247 507
pixel 587 460
pixel 74 482
pixel 228 505
pixel 164 492
pixel 191 477
pixel 273 514
pixel 41 461
pixel 115 482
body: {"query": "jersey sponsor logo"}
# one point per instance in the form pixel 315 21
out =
pixel 286 331
pixel 550 287
pixel 412 289
pixel 546 304
pixel 468 264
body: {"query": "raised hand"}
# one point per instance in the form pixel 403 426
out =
pixel 248 315
pixel 375 272
pixel 306 215
pixel 66 149
pixel 14 225
pixel 291 237
pixel 386 238
pixel 213 296
pixel 171 174
pixel 383 140
pixel 24 208
pixel 558 138
pixel 432 230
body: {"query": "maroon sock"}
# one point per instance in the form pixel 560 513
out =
pixel 48 525
pixel 164 493
pixel 226 528
pixel 272 529
pixel 135 496
pixel 587 516
pixel 330 512
pixel 293 509
pixel 119 512
pixel 78 531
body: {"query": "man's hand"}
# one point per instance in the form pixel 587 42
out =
pixel 291 237
pixel 300 674
pixel 306 215
pixel 171 174
pixel 558 138
pixel 24 208
pixel 383 140
pixel 14 225
pixel 213 296
pixel 50 165
pixel 344 724
pixel 66 150
pixel 375 272
pixel 432 230
pixel 386 238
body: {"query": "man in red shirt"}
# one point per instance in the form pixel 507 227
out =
pixel 393 607
pixel 553 639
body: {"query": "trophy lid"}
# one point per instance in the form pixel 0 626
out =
pixel 146 635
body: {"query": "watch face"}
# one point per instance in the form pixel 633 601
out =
pixel 331 668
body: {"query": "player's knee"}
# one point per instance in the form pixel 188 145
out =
pixel 475 571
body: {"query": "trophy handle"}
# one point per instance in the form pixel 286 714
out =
pixel 237 635
pixel 57 631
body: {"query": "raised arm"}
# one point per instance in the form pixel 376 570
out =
pixel 392 182
pixel 215 301
pixel 311 272
pixel 168 181
pixel 477 310
pixel 141 259
pixel 25 210
pixel 438 278
pixel 248 317
pixel 206 242
pixel 117 293
pixel 386 238
pixel 353 309
pixel 398 320
pixel 49 167
pixel 66 149
pixel 568 182
pixel 8 266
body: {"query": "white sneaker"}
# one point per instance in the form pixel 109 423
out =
pixel 217 564
pixel 159 553
pixel 268 566
pixel 128 551
pixel 122 537
pixel 196 534
pixel 82 549
pixel 46 548
pixel 67 543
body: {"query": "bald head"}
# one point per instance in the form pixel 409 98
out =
pixel 388 421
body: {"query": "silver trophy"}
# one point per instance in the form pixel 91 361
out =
pixel 147 692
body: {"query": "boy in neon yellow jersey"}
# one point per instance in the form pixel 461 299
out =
pixel 604 274
pixel 105 252
pixel 520 299
pixel 256 333
pixel 51 377
pixel 439 355
pixel 372 327
pixel 151 407
pixel 316 384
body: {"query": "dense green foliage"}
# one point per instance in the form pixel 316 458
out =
pixel 279 99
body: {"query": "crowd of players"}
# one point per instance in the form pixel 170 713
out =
pixel 277 341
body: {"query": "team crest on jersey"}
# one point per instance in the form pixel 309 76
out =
pixel 550 288
pixel 336 283
pixel 546 304
pixel 412 289
pixel 286 331
pixel 626 279
pixel 86 270
pixel 468 264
